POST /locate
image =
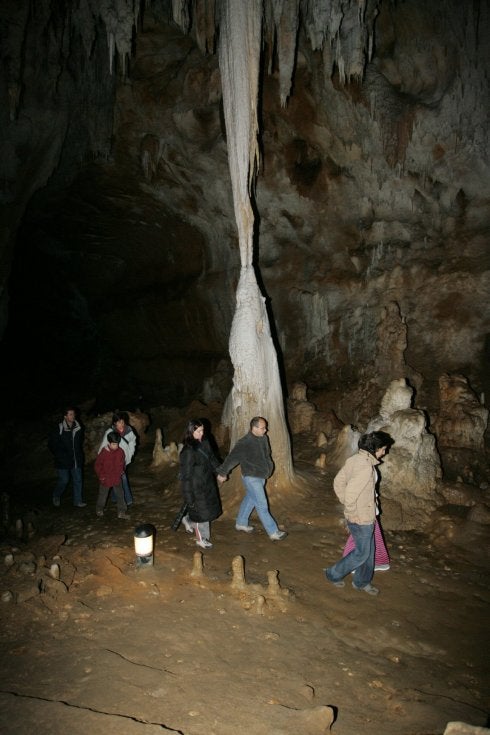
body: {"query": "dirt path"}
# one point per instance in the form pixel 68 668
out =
pixel 120 649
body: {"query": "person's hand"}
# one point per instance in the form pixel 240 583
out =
pixel 222 478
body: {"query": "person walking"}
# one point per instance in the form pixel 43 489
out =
pixel 109 468
pixel 198 465
pixel 253 453
pixel 66 445
pixel 355 486
pixel 120 424
pixel 381 553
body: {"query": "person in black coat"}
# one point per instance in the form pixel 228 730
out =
pixel 198 465
pixel 66 445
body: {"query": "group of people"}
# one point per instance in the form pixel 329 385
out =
pixel 115 453
pixel 201 474
pixel 199 466
pixel 355 485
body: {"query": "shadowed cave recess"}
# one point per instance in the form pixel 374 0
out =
pixel 119 251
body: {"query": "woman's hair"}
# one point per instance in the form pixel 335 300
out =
pixel 192 425
pixel 113 437
pixel 120 416
pixel 374 441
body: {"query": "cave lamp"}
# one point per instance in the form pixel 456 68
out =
pixel 143 544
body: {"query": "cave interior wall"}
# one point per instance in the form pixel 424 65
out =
pixel 120 255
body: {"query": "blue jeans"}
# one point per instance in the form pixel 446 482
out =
pixel 360 559
pixel 64 478
pixel 255 497
pixel 128 495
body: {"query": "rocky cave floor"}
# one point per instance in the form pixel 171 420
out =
pixel 115 648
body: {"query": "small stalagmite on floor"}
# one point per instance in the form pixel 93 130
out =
pixel 238 570
pixel 197 565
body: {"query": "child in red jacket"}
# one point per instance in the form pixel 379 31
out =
pixel 109 467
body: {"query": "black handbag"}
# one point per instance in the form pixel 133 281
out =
pixel 178 518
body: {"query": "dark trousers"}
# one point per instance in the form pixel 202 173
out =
pixel 102 498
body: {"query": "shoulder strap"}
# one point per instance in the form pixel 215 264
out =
pixel 203 453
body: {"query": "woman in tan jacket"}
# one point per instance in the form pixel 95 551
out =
pixel 354 486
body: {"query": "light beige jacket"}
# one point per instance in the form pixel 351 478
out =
pixel 354 486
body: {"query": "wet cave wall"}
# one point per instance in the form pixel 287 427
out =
pixel 119 246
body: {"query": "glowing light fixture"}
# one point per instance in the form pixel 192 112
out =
pixel 143 544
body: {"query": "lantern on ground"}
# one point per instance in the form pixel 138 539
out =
pixel 143 544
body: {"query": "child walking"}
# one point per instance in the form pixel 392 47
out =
pixel 109 468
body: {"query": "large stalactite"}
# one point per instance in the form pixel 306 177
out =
pixel 257 386
pixel 372 190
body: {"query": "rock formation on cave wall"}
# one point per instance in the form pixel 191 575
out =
pixel 372 194
pixel 412 469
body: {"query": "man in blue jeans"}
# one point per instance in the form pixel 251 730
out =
pixel 253 453
pixel 66 444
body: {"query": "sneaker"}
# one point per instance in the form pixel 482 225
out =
pixel 124 516
pixel 381 567
pixel 278 535
pixel 369 588
pixel 340 583
pixel 187 525
pixel 56 502
pixel 247 529
pixel 99 513
pixel 204 544
pixel 80 505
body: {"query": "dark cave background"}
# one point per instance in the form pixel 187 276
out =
pixel 120 257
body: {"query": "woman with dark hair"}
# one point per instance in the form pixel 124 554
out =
pixel 355 487
pixel 198 466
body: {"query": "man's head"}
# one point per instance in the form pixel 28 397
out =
pixel 69 415
pixel 258 426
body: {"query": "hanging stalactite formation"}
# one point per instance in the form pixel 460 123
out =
pixel 256 383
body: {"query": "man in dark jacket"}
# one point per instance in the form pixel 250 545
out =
pixel 66 444
pixel 253 453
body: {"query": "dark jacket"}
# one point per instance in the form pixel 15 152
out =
pixel 197 469
pixel 66 445
pixel 253 454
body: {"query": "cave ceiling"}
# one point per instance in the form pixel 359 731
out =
pixel 119 244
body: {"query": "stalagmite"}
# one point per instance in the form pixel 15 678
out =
pixel 197 565
pixel 321 461
pixel 261 604
pixel 238 569
pixel 274 588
